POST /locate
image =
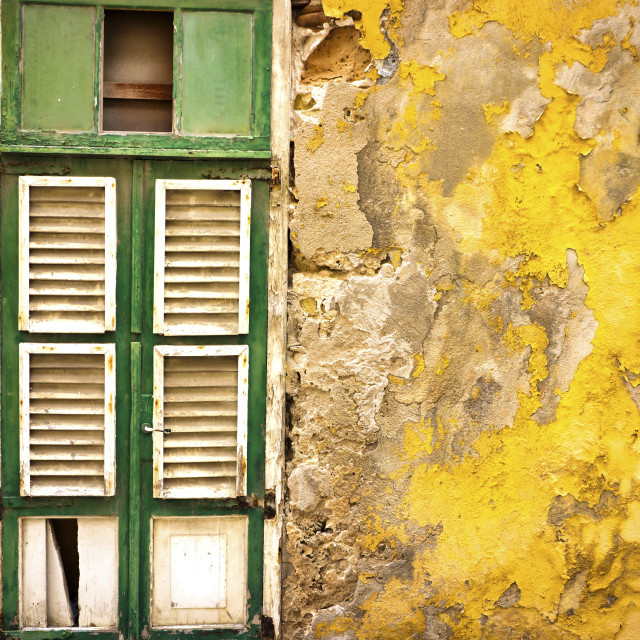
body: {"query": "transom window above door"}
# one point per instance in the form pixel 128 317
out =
pixel 191 78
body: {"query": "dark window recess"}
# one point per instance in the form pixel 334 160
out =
pixel 137 81
pixel 65 538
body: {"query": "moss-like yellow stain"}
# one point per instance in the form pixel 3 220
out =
pixel 321 202
pixel 445 361
pixel 340 625
pixel 316 139
pixel 418 365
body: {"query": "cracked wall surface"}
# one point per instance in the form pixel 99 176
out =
pixel 464 321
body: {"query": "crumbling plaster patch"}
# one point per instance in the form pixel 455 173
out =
pixel 463 327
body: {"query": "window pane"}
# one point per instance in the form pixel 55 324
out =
pixel 216 72
pixel 58 68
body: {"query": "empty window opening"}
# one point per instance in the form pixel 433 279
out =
pixel 137 82
pixel 65 538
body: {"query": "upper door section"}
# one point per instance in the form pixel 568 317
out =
pixel 188 79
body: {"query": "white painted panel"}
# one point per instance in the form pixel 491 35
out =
pixel 198 571
pixel 33 590
pixel 170 581
pixel 59 612
pixel 98 558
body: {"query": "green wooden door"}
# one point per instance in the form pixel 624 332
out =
pixel 171 541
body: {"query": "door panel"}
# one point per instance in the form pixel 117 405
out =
pixel 189 556
pixel 199 571
pixel 209 390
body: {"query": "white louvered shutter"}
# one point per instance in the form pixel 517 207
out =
pixel 202 257
pixel 200 396
pixel 67 419
pixel 67 254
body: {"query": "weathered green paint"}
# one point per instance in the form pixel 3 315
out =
pixel 235 125
pixel 58 68
pixel 132 504
pixel 107 145
pixel 216 72
pixel 262 74
pixel 177 71
pixel 134 492
pixel 136 248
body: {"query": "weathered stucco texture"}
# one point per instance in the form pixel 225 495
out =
pixel 464 322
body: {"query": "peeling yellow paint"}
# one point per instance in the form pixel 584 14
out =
pixel 491 111
pixel 423 77
pixel 519 211
pixel 372 37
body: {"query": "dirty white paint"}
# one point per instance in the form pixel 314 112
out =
pixel 98 588
pixel 67 254
pixel 198 571
pixel 211 554
pixel 201 270
pixel 200 394
pixel 33 583
pixel 67 419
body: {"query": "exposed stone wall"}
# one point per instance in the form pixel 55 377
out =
pixel 464 321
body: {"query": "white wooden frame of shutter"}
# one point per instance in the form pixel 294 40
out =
pixel 244 187
pixel 110 239
pixel 242 353
pixel 109 352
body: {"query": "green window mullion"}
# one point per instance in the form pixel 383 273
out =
pixel 262 80
pixel 97 73
pixel 177 70
pixel 12 80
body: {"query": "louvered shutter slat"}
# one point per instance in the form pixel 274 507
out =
pixel 201 396
pixel 63 256
pixel 67 419
pixel 202 257
pixel 62 468
pixel 207 439
pixel 199 424
pixel 64 451
pixel 67 437
pixel 67 254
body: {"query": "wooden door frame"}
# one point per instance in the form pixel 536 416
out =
pixel 277 319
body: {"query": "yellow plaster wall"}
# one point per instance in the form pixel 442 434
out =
pixel 529 527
